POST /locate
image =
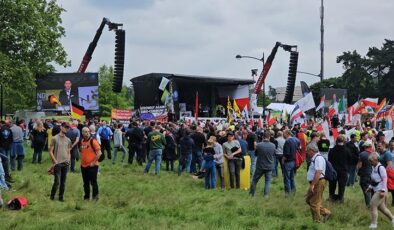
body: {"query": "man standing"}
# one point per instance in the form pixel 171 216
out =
pixel 364 170
pixel 74 135
pixel 353 149
pixel 135 137
pixel 290 147
pixel 339 157
pixel 68 95
pixel 317 183
pixel 105 134
pixel 156 141
pixel 265 152
pixel 17 152
pixel 232 150
pixel 199 143
pixel 59 151
pixel 90 153
pixel 251 139
pixel 5 148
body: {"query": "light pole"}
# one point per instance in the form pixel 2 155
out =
pixel 238 56
pixel 316 75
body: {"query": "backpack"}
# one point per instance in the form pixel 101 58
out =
pixel 102 156
pixel 104 133
pixel 298 159
pixel 330 174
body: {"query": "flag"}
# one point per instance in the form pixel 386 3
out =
pixel 268 117
pixel 319 127
pixel 260 123
pixel 163 83
pixel 236 109
pixel 306 103
pixel 381 106
pixel 246 112
pixel 304 88
pixel 196 108
pixel 53 100
pixel 229 110
pixel 321 104
pixel 164 96
pixel 333 109
pixel 272 120
pixel 266 68
pixel 372 102
pixel 350 112
pixel 389 123
pixel 77 111
pixel 341 105
pixel 295 114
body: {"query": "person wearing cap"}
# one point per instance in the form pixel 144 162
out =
pixel 60 153
pixel 364 170
pixel 379 188
pixel 232 149
pixel 354 152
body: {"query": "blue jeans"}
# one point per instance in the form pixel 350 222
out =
pixel 288 179
pixel 197 159
pixel 115 153
pixel 210 175
pixel 184 160
pixel 256 177
pixel 352 175
pixel 4 154
pixel 3 185
pixel 154 154
pixel 253 158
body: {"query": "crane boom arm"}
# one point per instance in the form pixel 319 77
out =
pixel 88 55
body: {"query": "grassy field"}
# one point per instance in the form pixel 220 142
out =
pixel 131 200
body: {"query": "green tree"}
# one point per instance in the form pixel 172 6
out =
pixel 109 99
pixel 263 100
pixel 368 76
pixel 30 33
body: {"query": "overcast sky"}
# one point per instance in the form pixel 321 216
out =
pixel 202 37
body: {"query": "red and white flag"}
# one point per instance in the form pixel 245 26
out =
pixel 297 113
pixel 321 104
pixel 372 102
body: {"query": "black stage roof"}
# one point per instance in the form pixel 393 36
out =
pixel 147 92
pixel 200 79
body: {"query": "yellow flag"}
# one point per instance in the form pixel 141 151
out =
pixel 229 110
pixel 236 109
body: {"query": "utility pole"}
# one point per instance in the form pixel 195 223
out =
pixel 322 41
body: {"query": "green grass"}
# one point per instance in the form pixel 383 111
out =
pixel 131 200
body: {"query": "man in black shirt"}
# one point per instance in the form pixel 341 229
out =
pixel 199 143
pixel 365 170
pixel 353 149
pixel 251 139
pixel 5 148
pixel 135 137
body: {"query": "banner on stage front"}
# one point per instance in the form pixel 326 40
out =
pixel 121 114
pixel 156 113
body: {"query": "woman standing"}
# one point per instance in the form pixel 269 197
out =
pixel 169 151
pixel 39 138
pixel 378 188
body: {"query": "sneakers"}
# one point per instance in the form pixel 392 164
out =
pixel 373 226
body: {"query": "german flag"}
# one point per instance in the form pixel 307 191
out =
pixel 53 100
pixel 77 111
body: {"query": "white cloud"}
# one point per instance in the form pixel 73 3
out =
pixel 202 37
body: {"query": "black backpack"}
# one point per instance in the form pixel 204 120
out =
pixel 330 174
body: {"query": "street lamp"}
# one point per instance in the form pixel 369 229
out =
pixel 238 56
pixel 316 75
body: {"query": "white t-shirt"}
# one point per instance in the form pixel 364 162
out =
pixel 317 163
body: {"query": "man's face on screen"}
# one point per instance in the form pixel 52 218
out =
pixel 67 85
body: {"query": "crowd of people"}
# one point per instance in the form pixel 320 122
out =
pixel 201 149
